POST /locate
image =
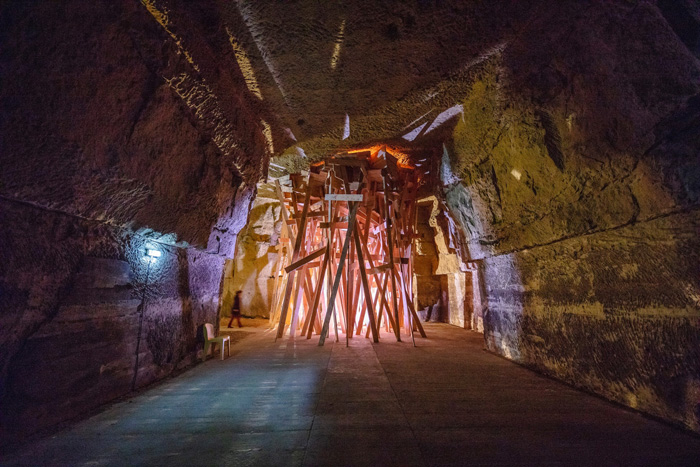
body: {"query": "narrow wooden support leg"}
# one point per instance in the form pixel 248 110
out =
pixel 285 304
pixel 338 274
pixel 295 257
pixel 317 294
pixel 411 310
pixel 365 286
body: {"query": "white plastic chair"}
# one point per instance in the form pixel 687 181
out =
pixel 208 341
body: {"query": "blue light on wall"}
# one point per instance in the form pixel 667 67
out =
pixel 151 255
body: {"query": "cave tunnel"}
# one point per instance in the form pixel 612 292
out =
pixel 148 150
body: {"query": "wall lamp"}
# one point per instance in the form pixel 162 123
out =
pixel 151 255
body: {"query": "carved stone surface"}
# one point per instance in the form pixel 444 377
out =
pixel 560 136
pixel 579 191
pixel 122 128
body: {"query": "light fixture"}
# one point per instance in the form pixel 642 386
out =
pixel 153 253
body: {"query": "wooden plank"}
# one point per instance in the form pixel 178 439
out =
pixel 350 290
pixel 343 197
pixel 345 161
pixel 375 301
pixel 410 306
pixel 365 286
pixel 378 269
pixel 318 179
pixel 309 293
pixel 332 270
pixel 375 175
pixel 283 209
pixel 317 292
pixel 336 283
pixel 361 153
pixel 390 247
pixel 311 214
pixel 383 303
pixel 354 295
pixel 299 297
pixel 295 257
pixel 336 225
pixel 307 259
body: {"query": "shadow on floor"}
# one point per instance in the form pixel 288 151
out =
pixel 291 402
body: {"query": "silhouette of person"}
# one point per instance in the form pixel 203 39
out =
pixel 236 310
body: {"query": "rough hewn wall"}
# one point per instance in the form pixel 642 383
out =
pixel 256 255
pixel 579 161
pixel 123 125
pixel 427 289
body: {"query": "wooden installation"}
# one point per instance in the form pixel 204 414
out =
pixel 345 249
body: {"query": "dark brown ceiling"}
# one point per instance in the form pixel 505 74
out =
pixel 395 61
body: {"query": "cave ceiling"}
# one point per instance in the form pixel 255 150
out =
pixel 392 70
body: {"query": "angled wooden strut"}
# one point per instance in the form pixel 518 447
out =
pixel 345 249
pixel 319 289
pixel 390 248
pixel 338 275
pixel 295 257
pixel 365 286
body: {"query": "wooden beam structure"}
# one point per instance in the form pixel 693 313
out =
pixel 351 223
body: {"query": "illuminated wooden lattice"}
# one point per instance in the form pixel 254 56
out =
pixel 345 249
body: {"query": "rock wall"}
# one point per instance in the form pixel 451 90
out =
pixel 578 157
pixel 427 285
pixel 256 254
pixel 442 280
pixel 123 126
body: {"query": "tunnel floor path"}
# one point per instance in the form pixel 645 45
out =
pixel 445 402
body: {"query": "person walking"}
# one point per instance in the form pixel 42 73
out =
pixel 236 310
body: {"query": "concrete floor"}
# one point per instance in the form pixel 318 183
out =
pixel 446 402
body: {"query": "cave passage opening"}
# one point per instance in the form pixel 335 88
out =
pixel 352 223
pixel 289 279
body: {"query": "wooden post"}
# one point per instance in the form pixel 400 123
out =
pixel 319 287
pixel 365 285
pixel 336 283
pixel 391 261
pixel 295 257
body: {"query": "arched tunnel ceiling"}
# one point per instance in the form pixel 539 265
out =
pixel 339 74
pixel 396 70
pixel 572 177
pixel 389 66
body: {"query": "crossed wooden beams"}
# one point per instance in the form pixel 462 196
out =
pixel 351 224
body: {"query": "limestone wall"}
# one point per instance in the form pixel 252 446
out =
pixel 427 285
pixel 125 125
pixel 442 279
pixel 579 194
pixel 256 254
pixel 75 293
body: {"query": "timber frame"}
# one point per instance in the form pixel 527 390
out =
pixel 345 249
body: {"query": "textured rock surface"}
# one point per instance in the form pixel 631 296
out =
pixel 426 284
pixel 572 174
pixel 579 190
pixel 565 134
pixel 123 126
pixel 256 255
